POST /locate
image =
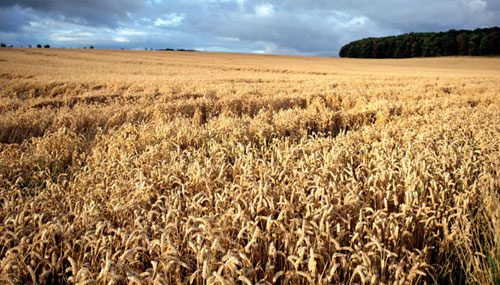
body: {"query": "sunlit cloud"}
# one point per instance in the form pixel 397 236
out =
pixel 121 40
pixel 172 20
pixel 264 10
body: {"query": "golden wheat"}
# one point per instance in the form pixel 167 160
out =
pixel 172 168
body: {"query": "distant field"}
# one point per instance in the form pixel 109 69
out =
pixel 182 167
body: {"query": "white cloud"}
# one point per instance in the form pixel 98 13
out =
pixel 121 39
pixel 264 10
pixel 229 39
pixel 35 24
pixel 132 32
pixel 65 36
pixel 355 22
pixel 476 5
pixel 171 20
pixel 259 51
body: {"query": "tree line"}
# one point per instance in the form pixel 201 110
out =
pixel 29 46
pixel 479 42
pixel 92 47
pixel 38 46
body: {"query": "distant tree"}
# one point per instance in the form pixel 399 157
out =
pixel 91 47
pixel 415 49
pixel 447 45
pixel 342 52
pixel 3 45
pixel 483 46
pixel 494 43
pixel 434 49
pixel 389 48
pixel 379 49
pixel 464 42
pixel 366 48
pixel 426 43
pixel 474 41
pixel 354 50
pixel 39 46
pixel 497 44
pixel 46 46
pixel 400 49
pixel 29 46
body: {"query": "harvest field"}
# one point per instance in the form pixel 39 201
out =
pixel 190 167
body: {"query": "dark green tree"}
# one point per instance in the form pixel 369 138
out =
pixel 415 49
pixel 366 49
pixel 379 49
pixel 389 48
pixel 426 47
pixel 483 46
pixel 434 49
pixel 399 49
pixel 447 45
pixel 464 42
pixel 474 41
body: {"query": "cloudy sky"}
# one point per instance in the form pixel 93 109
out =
pixel 303 27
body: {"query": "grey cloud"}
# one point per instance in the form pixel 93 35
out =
pixel 289 30
pixel 309 26
pixel 12 19
pixel 318 27
pixel 89 12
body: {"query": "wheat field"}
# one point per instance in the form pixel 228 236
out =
pixel 150 167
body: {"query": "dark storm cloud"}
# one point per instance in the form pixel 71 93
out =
pixel 88 12
pixel 318 27
pixel 12 19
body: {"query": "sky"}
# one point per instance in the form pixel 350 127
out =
pixel 298 27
